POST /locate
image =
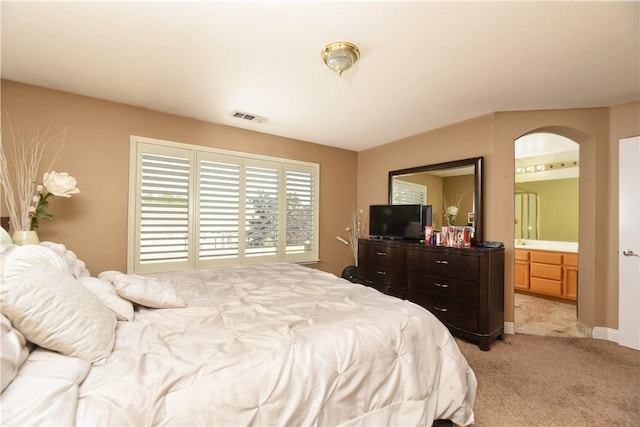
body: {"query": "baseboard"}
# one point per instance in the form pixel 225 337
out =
pixel 598 333
pixel 608 334
pixel 509 328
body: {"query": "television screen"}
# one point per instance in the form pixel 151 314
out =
pixel 427 215
pixel 398 221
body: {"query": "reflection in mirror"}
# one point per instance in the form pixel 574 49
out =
pixel 526 209
pixel 445 185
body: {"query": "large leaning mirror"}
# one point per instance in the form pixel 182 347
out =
pixel 450 187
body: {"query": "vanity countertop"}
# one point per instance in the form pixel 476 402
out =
pixel 547 245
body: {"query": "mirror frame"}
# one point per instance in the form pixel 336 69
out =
pixel 478 164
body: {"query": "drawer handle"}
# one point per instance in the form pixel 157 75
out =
pixel 441 285
pixel 440 261
pixel 381 273
pixel 440 308
pixel 381 253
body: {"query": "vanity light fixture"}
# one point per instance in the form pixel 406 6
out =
pixel 545 167
pixel 340 56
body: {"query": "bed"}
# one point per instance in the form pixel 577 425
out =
pixel 264 344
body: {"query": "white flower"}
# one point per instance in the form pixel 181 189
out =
pixel 60 184
pixel 452 210
pixel 57 184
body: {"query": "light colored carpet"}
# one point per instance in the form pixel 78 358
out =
pixel 529 380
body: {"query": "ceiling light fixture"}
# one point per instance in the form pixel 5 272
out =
pixel 340 56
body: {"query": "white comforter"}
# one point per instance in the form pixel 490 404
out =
pixel 278 344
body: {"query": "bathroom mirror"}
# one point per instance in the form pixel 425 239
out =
pixel 458 183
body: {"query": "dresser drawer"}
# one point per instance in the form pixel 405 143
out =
pixel 465 267
pixel 394 291
pixel 460 291
pixel 546 271
pixel 381 254
pixel 382 275
pixel 388 280
pixel 450 313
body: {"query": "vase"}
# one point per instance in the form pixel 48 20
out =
pixel 23 237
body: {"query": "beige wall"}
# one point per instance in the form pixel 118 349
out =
pixel 96 152
pixel 597 131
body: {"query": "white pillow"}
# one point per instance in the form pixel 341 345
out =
pixel 53 310
pixel 14 351
pixel 76 266
pixel 122 308
pixel 5 241
pixel 23 258
pixel 45 392
pixel 147 291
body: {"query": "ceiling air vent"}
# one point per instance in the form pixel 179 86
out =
pixel 247 116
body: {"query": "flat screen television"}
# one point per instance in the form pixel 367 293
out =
pixel 403 222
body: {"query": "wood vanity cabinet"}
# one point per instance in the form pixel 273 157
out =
pixel 570 276
pixel 521 270
pixel 546 272
pixel 462 287
pixel 550 273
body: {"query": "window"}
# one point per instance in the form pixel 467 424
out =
pixel 196 207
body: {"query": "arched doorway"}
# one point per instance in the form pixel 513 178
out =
pixel 546 206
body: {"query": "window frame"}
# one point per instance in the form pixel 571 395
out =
pixel 195 154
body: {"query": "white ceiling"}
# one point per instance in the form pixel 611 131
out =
pixel 424 64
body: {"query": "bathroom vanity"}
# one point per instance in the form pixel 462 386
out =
pixel 547 268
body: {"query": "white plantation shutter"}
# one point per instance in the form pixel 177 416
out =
pixel 163 221
pixel 301 215
pixel 408 193
pixel 262 194
pixel 197 207
pixel 219 209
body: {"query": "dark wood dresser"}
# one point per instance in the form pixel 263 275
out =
pixel 463 287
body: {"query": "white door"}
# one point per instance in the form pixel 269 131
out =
pixel 629 243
